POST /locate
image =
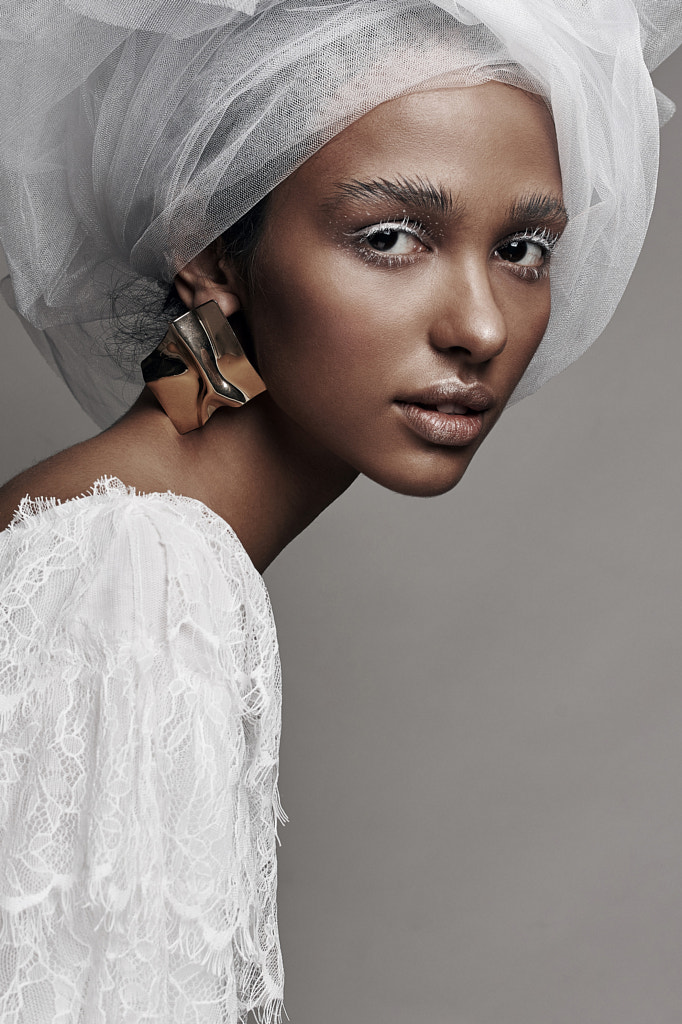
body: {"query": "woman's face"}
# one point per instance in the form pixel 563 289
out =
pixel 402 281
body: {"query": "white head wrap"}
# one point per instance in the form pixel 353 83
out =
pixel 135 132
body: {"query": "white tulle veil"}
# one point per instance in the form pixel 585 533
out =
pixel 135 132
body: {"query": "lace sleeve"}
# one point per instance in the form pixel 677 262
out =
pixel 139 734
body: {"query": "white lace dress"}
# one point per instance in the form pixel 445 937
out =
pixel 140 708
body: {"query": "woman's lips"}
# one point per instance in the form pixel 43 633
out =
pixel 448 412
pixel 441 426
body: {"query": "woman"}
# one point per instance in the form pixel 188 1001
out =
pixel 141 895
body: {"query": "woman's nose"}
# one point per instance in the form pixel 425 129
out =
pixel 469 318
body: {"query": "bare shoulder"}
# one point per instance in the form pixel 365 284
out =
pixel 132 450
pixel 62 476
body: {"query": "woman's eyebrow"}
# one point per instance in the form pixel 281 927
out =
pixel 436 199
pixel 539 207
pixel 414 192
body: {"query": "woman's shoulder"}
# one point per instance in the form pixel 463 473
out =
pixel 128 478
pixel 77 536
pixel 129 485
pixel 131 455
pixel 109 516
pixel 115 569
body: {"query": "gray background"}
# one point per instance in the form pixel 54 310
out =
pixel 482 749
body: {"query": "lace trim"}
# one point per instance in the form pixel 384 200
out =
pixel 106 485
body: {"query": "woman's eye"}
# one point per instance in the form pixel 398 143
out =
pixel 390 243
pixel 395 241
pixel 523 252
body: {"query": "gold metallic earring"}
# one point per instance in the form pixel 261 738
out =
pixel 199 366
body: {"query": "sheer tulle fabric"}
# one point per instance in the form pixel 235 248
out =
pixel 140 706
pixel 135 132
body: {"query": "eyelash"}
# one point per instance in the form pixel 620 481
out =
pixel 406 225
pixel 542 237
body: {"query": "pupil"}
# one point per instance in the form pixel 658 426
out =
pixel 515 251
pixel 383 240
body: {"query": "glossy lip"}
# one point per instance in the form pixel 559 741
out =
pixel 474 396
pixel 452 429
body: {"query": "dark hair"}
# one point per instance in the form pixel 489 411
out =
pixel 240 242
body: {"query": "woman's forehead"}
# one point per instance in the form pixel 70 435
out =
pixel 442 134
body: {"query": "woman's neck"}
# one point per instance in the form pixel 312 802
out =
pixel 253 466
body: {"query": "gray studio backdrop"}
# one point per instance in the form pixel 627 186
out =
pixel 482 736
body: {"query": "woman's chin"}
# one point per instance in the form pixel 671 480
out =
pixel 420 481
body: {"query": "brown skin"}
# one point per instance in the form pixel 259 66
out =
pixel 341 330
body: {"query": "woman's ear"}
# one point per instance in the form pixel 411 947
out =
pixel 208 277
